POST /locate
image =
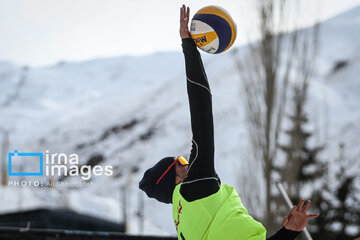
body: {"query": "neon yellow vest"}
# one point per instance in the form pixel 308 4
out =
pixel 220 216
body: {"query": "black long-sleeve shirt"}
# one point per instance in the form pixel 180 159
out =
pixel 202 180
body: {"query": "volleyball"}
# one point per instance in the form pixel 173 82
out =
pixel 213 30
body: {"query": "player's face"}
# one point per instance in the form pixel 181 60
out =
pixel 181 172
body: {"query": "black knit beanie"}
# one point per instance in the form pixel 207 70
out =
pixel 159 181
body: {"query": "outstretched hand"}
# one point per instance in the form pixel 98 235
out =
pixel 184 22
pixel 297 218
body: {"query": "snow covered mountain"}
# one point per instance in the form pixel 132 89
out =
pixel 134 110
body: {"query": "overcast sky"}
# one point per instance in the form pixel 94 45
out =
pixel 43 32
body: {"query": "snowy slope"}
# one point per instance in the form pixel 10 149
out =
pixel 133 111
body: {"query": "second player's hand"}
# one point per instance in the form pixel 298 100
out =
pixel 184 22
pixel 297 218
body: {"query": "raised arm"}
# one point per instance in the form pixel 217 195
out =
pixel 201 162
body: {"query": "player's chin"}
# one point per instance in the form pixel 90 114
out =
pixel 179 180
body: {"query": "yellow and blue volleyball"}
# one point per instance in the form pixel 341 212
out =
pixel 213 30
